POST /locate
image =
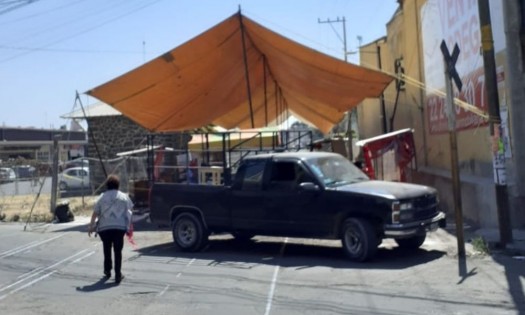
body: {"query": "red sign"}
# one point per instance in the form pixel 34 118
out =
pixel 455 22
pixel 473 92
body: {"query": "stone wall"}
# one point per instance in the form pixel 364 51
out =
pixel 109 135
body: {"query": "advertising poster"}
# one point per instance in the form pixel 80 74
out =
pixel 457 22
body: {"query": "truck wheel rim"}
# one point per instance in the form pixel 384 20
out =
pixel 353 241
pixel 186 233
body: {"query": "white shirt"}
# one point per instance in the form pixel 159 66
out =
pixel 113 209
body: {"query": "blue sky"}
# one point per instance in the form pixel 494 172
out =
pixel 50 49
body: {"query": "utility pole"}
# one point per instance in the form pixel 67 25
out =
pixel 514 81
pixel 348 113
pixel 498 152
pixel 344 31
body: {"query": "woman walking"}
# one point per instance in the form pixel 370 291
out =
pixel 113 211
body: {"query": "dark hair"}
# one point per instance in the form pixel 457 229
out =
pixel 112 182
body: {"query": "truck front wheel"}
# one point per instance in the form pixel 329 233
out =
pixel 188 232
pixel 359 239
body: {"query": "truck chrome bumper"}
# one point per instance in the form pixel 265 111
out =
pixel 415 228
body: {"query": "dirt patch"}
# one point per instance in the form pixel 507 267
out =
pixel 22 207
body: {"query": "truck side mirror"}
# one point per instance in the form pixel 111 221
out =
pixel 308 186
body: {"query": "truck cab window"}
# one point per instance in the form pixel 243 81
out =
pixel 283 176
pixel 252 174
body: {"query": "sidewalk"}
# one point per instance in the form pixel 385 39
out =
pixel 491 236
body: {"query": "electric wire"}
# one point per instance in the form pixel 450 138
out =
pixel 85 30
pixel 46 12
pixel 13 5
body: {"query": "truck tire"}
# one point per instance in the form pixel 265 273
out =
pixel 413 242
pixel 359 239
pixel 188 232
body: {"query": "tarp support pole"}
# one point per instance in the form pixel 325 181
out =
pixel 207 149
pixel 90 131
pixel 265 65
pixel 246 67
pixel 276 104
pixel 281 106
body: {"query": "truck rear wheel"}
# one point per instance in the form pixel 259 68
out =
pixel 359 239
pixel 188 232
pixel 413 242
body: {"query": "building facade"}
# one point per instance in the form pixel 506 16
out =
pixel 37 144
pixel 411 51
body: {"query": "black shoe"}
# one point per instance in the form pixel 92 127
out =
pixel 107 275
pixel 119 278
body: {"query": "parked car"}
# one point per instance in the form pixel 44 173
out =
pixel 25 171
pixel 73 178
pixel 80 162
pixel 7 175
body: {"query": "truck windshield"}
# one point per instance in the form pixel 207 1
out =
pixel 336 171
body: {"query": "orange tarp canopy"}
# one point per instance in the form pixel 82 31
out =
pixel 205 81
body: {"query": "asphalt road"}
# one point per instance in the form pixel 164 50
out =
pixel 57 269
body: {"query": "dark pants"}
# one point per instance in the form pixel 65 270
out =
pixel 115 239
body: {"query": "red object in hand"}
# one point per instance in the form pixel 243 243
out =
pixel 129 235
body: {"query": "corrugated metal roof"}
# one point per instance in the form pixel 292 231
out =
pixel 99 109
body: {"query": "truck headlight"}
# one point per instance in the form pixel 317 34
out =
pixel 397 207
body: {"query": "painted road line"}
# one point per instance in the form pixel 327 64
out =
pixel 22 248
pixel 164 291
pixel 41 271
pixel 81 258
pixel 30 272
pixel 274 281
pixel 27 284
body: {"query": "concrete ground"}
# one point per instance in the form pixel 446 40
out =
pixel 492 237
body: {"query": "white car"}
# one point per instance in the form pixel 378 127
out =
pixel 73 178
pixel 7 175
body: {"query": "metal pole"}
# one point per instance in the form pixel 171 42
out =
pixel 351 112
pixel 54 177
pixel 382 97
pixel 265 66
pixel 456 184
pixel 422 107
pixel 491 85
pixel 246 73
pixel 344 39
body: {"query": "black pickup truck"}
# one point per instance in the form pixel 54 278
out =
pixel 300 194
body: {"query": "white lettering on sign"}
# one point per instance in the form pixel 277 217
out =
pixel 456 22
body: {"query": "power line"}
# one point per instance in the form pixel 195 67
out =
pixel 31 16
pixel 81 32
pixel 13 5
pixel 73 19
pixel 65 50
